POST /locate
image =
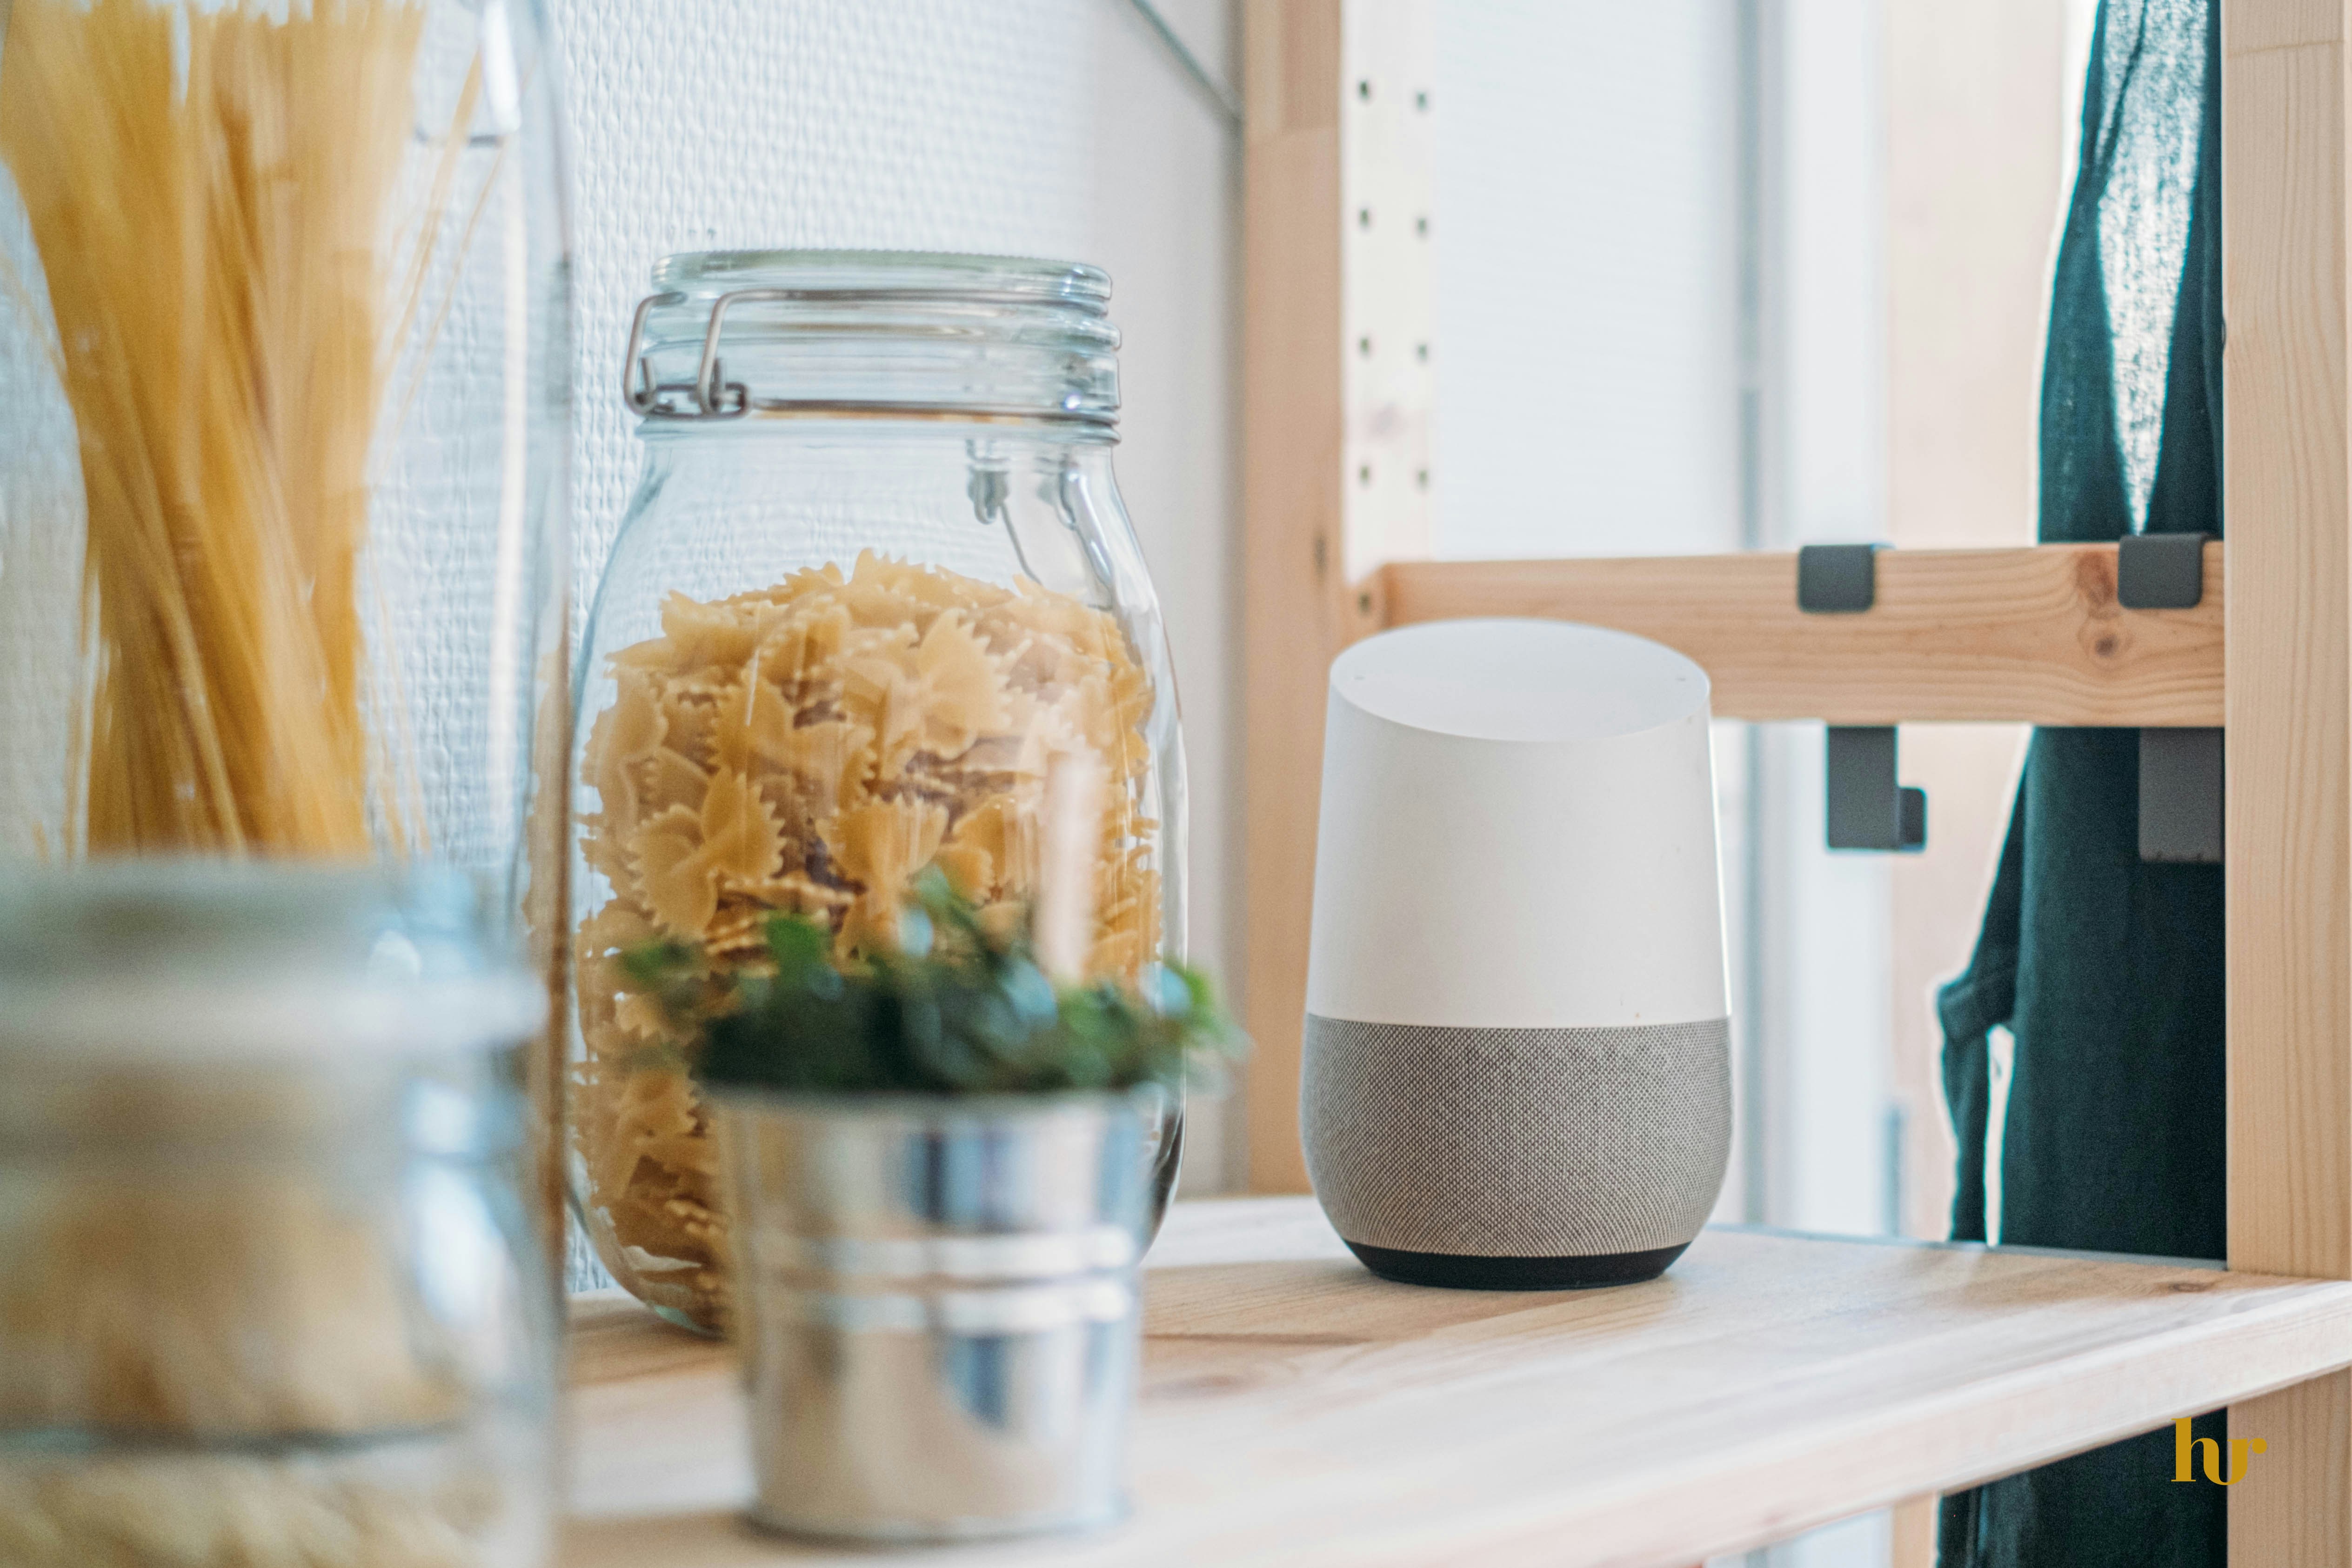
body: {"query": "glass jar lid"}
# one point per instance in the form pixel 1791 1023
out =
pixel 842 333
pixel 166 960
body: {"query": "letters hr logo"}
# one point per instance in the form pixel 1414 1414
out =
pixel 2241 1452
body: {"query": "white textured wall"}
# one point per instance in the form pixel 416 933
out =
pixel 1165 216
pixel 759 124
pixel 1054 128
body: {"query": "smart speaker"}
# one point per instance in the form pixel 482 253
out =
pixel 1517 1039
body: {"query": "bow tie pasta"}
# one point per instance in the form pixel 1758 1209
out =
pixel 809 748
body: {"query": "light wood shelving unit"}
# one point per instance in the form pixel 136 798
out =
pixel 1297 1410
pixel 2028 635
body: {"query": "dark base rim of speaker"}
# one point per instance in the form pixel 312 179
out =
pixel 1461 1271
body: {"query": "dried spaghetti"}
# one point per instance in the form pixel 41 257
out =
pixel 210 189
pixel 214 221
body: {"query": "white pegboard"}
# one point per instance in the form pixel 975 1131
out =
pixel 1387 186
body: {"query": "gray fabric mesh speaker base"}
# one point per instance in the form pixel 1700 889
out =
pixel 1516 1142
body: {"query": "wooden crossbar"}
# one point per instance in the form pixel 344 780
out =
pixel 2033 635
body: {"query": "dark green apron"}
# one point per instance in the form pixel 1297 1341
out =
pixel 2107 969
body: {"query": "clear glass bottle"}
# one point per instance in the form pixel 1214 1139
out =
pixel 283 522
pixel 876 576
pixel 270 1291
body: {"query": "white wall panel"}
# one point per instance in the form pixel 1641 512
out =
pixel 1585 227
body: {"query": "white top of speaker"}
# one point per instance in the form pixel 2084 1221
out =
pixel 1518 831
pixel 1520 681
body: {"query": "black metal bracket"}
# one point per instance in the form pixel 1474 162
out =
pixel 1866 809
pixel 2180 770
pixel 2180 795
pixel 2160 572
pixel 1837 580
pixel 2180 783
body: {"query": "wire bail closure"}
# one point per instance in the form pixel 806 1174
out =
pixel 711 396
pixel 715 397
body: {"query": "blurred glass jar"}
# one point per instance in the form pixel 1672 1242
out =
pixel 270 1289
pixel 283 558
pixel 875 576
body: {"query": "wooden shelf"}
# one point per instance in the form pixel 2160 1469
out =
pixel 1297 1411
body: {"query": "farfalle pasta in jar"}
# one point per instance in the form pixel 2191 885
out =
pixel 877 578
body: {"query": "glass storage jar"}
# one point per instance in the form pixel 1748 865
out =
pixel 269 1289
pixel 875 576
pixel 283 556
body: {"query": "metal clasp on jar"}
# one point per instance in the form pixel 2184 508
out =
pixel 711 395
pixel 714 396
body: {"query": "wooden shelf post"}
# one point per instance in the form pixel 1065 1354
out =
pixel 1299 607
pixel 2288 501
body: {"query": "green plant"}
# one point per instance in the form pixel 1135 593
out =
pixel 957 1009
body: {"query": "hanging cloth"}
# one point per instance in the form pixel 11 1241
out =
pixel 2107 969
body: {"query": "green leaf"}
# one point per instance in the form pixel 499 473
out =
pixel 951 1010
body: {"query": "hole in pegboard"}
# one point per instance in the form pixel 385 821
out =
pixel 1364 347
pixel 1363 217
pixel 1364 92
pixel 1421 102
pixel 1420 353
pixel 1364 474
pixel 1421 477
pixel 1420 226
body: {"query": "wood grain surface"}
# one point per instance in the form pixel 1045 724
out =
pixel 2293 1506
pixel 2289 746
pixel 1297 1411
pixel 2288 498
pixel 1297 608
pixel 2032 634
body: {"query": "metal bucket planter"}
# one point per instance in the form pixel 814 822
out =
pixel 937 1307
